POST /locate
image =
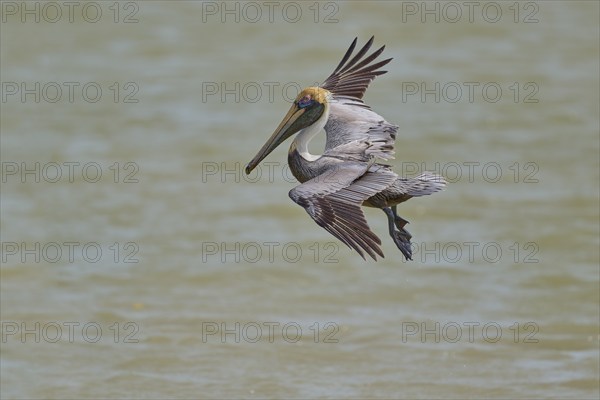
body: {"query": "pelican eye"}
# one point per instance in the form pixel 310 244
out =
pixel 305 101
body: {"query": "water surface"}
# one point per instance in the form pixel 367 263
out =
pixel 213 285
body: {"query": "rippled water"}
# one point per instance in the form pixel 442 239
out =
pixel 172 275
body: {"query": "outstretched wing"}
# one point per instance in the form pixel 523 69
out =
pixel 350 120
pixel 334 198
pixel 351 78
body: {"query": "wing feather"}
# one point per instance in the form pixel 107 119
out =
pixel 336 206
pixel 350 123
pixel 352 78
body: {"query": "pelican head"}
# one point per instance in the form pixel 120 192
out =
pixel 308 108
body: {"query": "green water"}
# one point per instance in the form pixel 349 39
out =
pixel 139 262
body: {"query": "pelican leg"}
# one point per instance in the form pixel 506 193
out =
pixel 400 235
pixel 400 222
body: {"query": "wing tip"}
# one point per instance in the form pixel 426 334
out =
pixel 355 72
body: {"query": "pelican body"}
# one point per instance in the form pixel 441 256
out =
pixel 335 184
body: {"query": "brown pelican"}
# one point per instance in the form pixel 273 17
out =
pixel 346 176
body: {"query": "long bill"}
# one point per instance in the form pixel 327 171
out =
pixel 288 126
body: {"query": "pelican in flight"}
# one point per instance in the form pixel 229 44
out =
pixel 335 184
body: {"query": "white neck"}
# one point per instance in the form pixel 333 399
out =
pixel 307 134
